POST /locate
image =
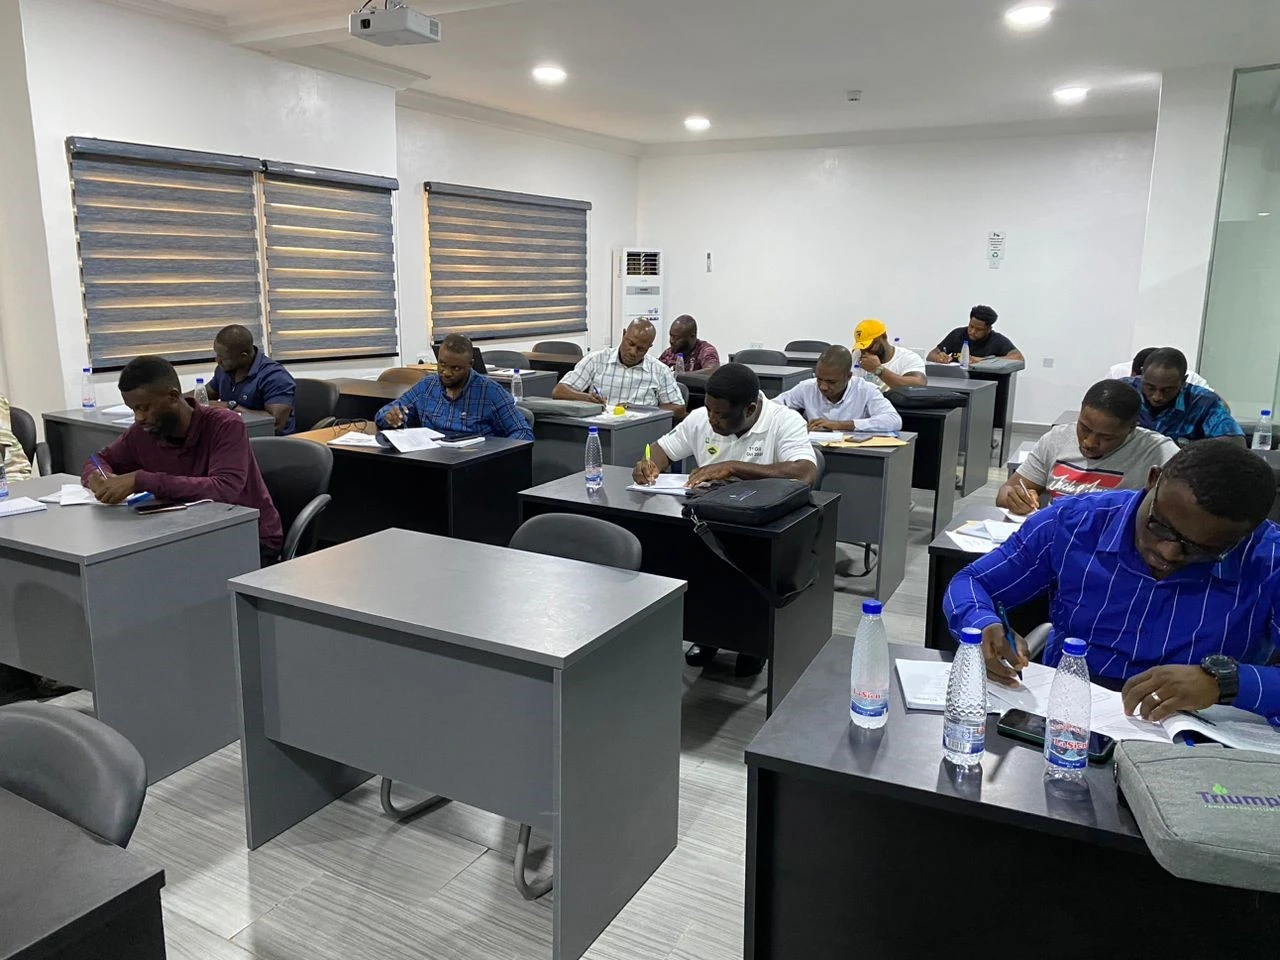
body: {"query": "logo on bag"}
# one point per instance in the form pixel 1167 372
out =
pixel 1220 796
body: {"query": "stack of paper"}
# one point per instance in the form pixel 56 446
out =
pixel 982 536
pixel 826 436
pixel 409 439
pixel 71 494
pixel 672 484
pixel 12 507
pixel 354 438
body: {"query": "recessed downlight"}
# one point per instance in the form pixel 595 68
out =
pixel 1069 96
pixel 1028 16
pixel 549 75
pixel 697 124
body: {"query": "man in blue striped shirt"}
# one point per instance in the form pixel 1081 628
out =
pixel 1175 588
pixel 1181 411
pixel 456 399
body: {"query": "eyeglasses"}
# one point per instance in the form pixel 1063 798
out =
pixel 1161 529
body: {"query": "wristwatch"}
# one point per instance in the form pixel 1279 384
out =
pixel 1226 671
pixel 232 404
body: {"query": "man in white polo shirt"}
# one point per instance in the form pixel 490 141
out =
pixel 836 400
pixel 738 435
pixel 625 376
pixel 892 366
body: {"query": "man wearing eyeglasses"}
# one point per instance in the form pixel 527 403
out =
pixel 1175 589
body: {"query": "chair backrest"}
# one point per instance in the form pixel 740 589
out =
pixel 506 358
pixel 774 358
pixel 952 370
pixel 296 473
pixel 74 766
pixel 808 346
pixel 684 392
pixel 527 414
pixel 401 375
pixel 24 431
pixel 313 400
pixel 822 467
pixel 558 346
pixel 575 537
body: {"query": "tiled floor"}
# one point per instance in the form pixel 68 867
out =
pixel 349 884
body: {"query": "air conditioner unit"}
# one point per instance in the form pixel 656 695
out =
pixel 637 288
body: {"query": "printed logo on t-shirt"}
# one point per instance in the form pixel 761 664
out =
pixel 755 452
pixel 1068 481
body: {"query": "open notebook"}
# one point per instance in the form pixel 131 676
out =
pixel 672 484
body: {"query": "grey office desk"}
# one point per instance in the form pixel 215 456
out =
pixel 134 609
pixel 73 435
pixel 874 484
pixel 795 358
pixel 541 689
pixel 775 380
pixel 68 895
pixel 978 429
pixel 1005 375
pixel 560 442
pixel 937 450
pixel 362 399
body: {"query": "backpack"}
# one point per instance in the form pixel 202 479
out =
pixel 917 398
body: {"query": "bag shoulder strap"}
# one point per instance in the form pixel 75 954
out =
pixel 707 536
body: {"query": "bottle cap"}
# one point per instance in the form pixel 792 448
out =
pixel 516 371
pixel 199 379
pixel 1266 413
pixel 872 607
pixel 1074 646
pixel 87 369
pixel 970 635
pixel 593 431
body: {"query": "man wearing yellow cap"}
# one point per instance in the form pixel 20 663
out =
pixel 892 366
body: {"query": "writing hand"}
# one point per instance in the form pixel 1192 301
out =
pixel 111 489
pixel 821 424
pixel 645 472
pixel 1022 501
pixel 1003 662
pixel 395 417
pixel 597 398
pixel 710 473
pixel 1161 691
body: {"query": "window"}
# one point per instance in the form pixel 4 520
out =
pixel 174 245
pixel 505 265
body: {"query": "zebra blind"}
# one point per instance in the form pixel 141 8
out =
pixel 505 265
pixel 168 245
pixel 330 257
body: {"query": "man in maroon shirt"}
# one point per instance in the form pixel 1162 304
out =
pixel 698 354
pixel 180 451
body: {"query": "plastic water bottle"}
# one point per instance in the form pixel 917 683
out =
pixel 869 670
pixel 594 461
pixel 1066 741
pixel 88 393
pixel 964 723
pixel 517 386
pixel 680 367
pixel 4 477
pixel 1262 432
pixel 964 356
pixel 201 394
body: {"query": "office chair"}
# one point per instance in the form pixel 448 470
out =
pixel 297 477
pixel 558 346
pixel 775 358
pixel 822 467
pixel 73 765
pixel 808 346
pixel 684 392
pixel 405 375
pixel 24 431
pixel 952 370
pixel 527 414
pixel 326 422
pixel 507 358
pixel 313 401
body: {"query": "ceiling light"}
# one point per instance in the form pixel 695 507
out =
pixel 1265 213
pixel 696 124
pixel 1028 16
pixel 549 75
pixel 1067 96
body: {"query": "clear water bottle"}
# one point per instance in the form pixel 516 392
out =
pixel 964 356
pixel 1066 742
pixel 88 393
pixel 4 477
pixel 594 461
pixel 517 386
pixel 869 670
pixel 680 367
pixel 964 723
pixel 1262 432
pixel 200 393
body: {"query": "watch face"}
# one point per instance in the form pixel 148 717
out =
pixel 1218 663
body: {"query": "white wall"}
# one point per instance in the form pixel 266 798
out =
pixel 807 242
pixel 450 150
pixel 99 71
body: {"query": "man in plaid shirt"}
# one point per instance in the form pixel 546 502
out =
pixel 455 399
pixel 626 375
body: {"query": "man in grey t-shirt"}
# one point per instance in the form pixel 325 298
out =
pixel 1103 450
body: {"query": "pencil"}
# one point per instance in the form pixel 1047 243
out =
pixel 1033 499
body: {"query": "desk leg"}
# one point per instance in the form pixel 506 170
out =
pixel 895 517
pixel 282 785
pixel 617 776
pixel 944 501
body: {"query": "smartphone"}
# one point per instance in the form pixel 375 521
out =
pixel 1029 728
pixel 158 506
pixel 463 439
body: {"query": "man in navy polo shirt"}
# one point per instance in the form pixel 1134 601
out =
pixel 247 379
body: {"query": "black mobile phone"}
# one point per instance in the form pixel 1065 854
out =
pixel 158 506
pixel 461 437
pixel 1029 728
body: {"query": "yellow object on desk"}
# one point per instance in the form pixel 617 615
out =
pixel 619 411
pixel 869 442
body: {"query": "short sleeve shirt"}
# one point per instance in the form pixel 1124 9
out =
pixel 902 362
pixel 648 383
pixel 267 382
pixel 1197 414
pixel 1056 464
pixel 996 344
pixel 702 356
pixel 779 435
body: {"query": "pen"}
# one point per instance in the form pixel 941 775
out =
pixel 647 454
pixel 1008 633
pixel 1027 493
pixel 97 465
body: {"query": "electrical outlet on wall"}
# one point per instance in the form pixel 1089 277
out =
pixel 1048 363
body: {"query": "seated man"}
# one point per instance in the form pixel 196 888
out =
pixel 455 399
pixel 1104 449
pixel 624 376
pixel 683 340
pixel 180 451
pixel 738 435
pixel 16 465
pixel 833 399
pixel 984 343
pixel 1133 368
pixel 1173 407
pixel 247 379
pixel 891 366
pixel 1175 588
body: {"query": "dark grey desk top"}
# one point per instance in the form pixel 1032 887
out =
pixel 803 356
pixel 966 386
pixel 809 735
pixel 391 389
pixel 525 606
pixel 882 452
pixel 994 368
pixel 603 422
pixel 440 458
pixel 942 544
pixel 99 419
pixel 614 497
pixel 771 370
pixel 93 533
pixel 55 877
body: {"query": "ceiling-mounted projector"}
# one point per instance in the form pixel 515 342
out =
pixel 394 26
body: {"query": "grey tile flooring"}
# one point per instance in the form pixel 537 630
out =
pixel 349 883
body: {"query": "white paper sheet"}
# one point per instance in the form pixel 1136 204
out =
pixel 13 506
pixel 826 436
pixel 671 484
pixel 970 544
pixel 409 439
pixel 117 410
pixel 354 439
pixel 71 494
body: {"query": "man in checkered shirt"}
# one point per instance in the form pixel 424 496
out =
pixel 627 376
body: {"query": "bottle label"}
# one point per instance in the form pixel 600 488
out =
pixel 1068 747
pixel 960 737
pixel 869 703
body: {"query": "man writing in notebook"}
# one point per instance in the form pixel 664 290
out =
pixel 626 376
pixel 1175 589
pixel 834 399
pixel 180 451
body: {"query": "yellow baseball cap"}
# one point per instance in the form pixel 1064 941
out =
pixel 867 331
